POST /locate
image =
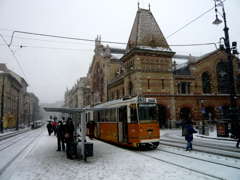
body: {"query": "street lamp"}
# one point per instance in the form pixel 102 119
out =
pixel 2 107
pixel 17 120
pixel 203 112
pixel 28 101
pixel 233 109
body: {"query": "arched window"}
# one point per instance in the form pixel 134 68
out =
pixel 222 79
pixel 130 88
pixel 238 83
pixel 98 78
pixel 206 86
pixel 117 94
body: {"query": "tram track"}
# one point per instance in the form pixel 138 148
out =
pixel 16 143
pixel 9 142
pixel 205 149
pixel 179 165
pixel 12 134
pixel 214 147
pixel 178 157
pixel 209 161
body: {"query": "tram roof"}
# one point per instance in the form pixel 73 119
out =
pixel 75 110
pixel 108 105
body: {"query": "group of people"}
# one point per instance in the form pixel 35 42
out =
pixel 64 134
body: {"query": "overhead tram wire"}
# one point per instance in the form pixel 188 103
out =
pixel 18 64
pixel 63 37
pixel 51 48
pixel 190 22
pixel 202 44
pixel 48 40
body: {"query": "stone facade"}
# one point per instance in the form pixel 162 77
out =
pixel 147 67
pixel 19 108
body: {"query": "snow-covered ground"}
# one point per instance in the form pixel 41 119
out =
pixel 40 161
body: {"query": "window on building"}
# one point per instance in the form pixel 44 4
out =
pixel 184 87
pixel 222 79
pixel 130 88
pixel 206 86
pixel 162 84
pixel 148 79
pixel 238 83
pixel 117 94
pixel 98 78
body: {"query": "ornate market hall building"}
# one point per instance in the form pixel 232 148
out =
pixel 147 67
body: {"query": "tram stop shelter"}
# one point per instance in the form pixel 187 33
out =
pixel 74 115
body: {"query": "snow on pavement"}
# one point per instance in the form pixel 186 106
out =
pixel 41 161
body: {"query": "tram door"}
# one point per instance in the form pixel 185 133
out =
pixel 98 123
pixel 122 124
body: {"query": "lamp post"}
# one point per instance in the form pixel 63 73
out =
pixel 2 106
pixel 17 120
pixel 233 109
pixel 28 112
pixel 203 112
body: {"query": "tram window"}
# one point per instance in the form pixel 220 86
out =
pixel 95 115
pixel 133 113
pixel 107 115
pixel 122 113
pixel 112 115
pixel 147 113
pixel 102 116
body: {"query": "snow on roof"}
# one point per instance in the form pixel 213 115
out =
pixel 155 48
pixel 182 65
pixel 116 56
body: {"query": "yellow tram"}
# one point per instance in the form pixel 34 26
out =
pixel 130 122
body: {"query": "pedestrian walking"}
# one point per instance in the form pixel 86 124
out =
pixel 60 136
pixel 238 134
pixel 69 129
pixel 49 128
pixel 189 135
pixel 54 127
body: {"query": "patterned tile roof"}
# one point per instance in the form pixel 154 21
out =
pixel 146 32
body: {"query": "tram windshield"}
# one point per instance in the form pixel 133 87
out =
pixel 147 113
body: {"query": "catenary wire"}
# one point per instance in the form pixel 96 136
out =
pixel 17 63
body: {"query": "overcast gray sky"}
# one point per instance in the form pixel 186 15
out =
pixel 50 65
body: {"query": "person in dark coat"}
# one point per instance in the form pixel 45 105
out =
pixel 60 136
pixel 238 134
pixel 69 129
pixel 189 136
pixel 49 127
pixel 91 126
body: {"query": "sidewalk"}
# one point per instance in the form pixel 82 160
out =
pixel 40 160
pixel 212 134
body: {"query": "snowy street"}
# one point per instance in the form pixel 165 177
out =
pixel 35 157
